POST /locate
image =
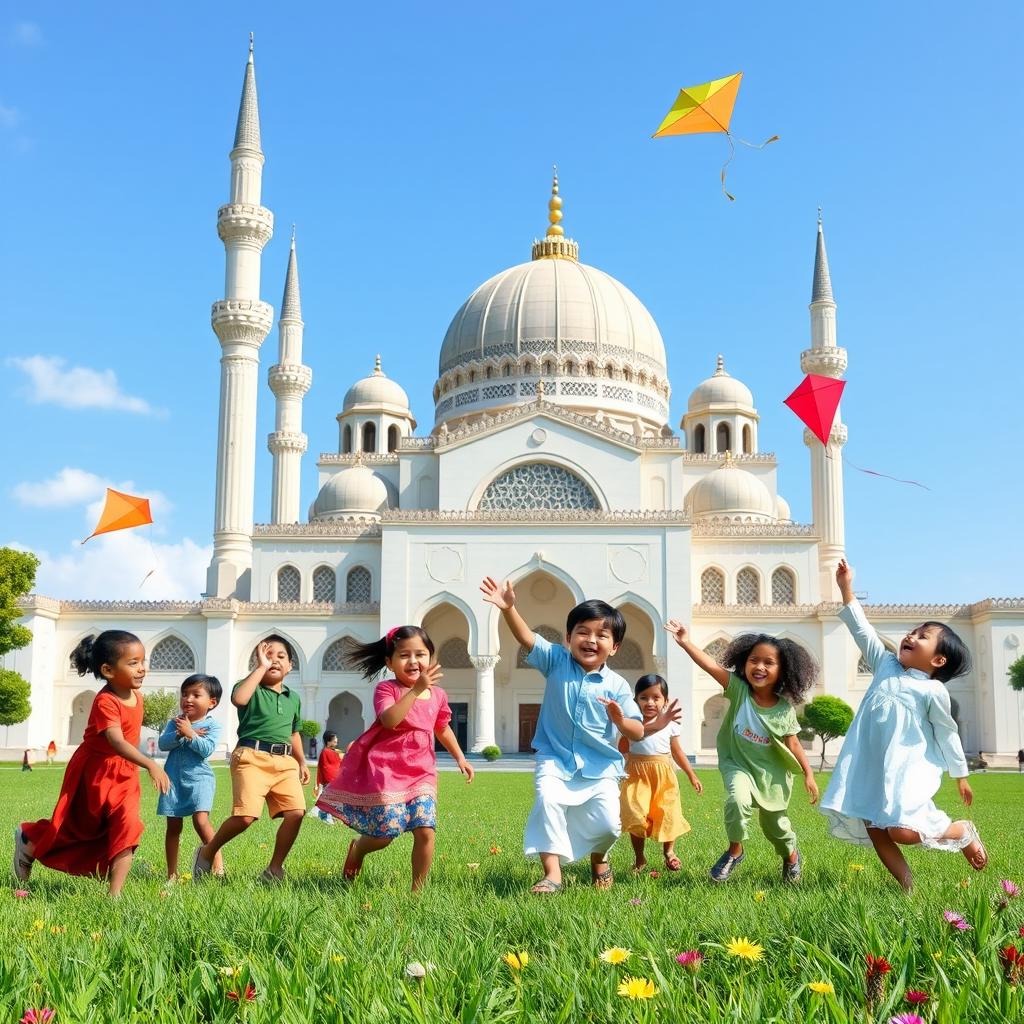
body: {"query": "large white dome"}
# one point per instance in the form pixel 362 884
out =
pixel 585 335
pixel 376 392
pixel 732 494
pixel 355 491
pixel 720 389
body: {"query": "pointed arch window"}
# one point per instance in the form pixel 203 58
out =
pixel 324 584
pixel 172 654
pixel 628 656
pixel 699 441
pixel 392 437
pixel 346 439
pixel 783 587
pixel 716 649
pixel 369 437
pixel 359 586
pixel 748 440
pixel 334 656
pixel 289 584
pixel 537 485
pixel 712 586
pixel 454 653
pixel 748 587
pixel 723 438
pixel 549 633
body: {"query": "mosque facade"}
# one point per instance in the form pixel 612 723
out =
pixel 551 462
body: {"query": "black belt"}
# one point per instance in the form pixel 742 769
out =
pixel 267 748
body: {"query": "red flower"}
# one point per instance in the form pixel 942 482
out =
pixel 915 996
pixel 40 1016
pixel 1012 960
pixel 249 995
pixel 877 965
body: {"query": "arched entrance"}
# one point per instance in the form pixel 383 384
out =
pixel 448 627
pixel 80 708
pixel 345 717
pixel 714 711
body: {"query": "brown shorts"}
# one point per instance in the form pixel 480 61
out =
pixel 258 777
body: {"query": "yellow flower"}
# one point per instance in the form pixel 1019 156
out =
pixel 615 955
pixel 744 949
pixel 760 896
pixel 185 876
pixel 231 972
pixel 517 961
pixel 338 958
pixel 38 925
pixel 965 883
pixel 937 955
pixel 96 936
pixel 823 988
pixel 637 988
pixel 856 867
pixel 58 929
pixel 473 867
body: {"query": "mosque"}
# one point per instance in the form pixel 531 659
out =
pixel 551 461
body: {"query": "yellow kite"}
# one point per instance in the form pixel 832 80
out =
pixel 707 108
pixel 121 512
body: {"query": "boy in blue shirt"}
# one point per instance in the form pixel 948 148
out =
pixel 586 707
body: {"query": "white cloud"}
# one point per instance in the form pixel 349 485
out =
pixel 76 387
pixel 115 566
pixel 26 33
pixel 69 487
pixel 9 116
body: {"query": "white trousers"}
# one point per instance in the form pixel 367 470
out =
pixel 573 818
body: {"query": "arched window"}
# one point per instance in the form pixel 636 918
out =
pixel 537 485
pixel 549 367
pixel 570 368
pixel 698 439
pixel 549 633
pixel 712 586
pixel 172 655
pixel 392 437
pixel 506 370
pixel 716 649
pixel 628 656
pixel 489 372
pixel 609 370
pixel 528 366
pixel 748 440
pixel 369 437
pixel 863 668
pixel 359 586
pixel 324 583
pixel 454 654
pixel 289 583
pixel 748 587
pixel 722 438
pixel 334 657
pixel 783 587
pixel 346 439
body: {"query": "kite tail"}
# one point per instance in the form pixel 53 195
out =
pixel 754 145
pixel 872 472
pixel 732 153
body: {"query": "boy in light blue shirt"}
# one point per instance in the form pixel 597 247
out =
pixel 586 707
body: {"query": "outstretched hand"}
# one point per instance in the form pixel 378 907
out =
pixel 844 573
pixel 428 677
pixel 263 655
pixel 613 709
pixel 679 632
pixel 501 595
pixel 670 713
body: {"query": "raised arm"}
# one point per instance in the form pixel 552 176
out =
pixel 700 658
pixel 503 597
pixel 852 614
pixel 393 715
pixel 242 693
pixel 169 738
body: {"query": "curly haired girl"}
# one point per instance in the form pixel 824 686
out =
pixel 758 749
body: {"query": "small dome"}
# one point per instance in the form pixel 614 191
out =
pixel 731 493
pixel 720 389
pixel 782 510
pixel 378 392
pixel 355 491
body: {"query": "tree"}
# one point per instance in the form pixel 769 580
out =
pixel 14 704
pixel 159 708
pixel 17 576
pixel 1016 674
pixel 827 717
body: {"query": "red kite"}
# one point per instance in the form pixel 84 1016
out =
pixel 121 512
pixel 815 401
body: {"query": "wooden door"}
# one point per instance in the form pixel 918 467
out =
pixel 528 715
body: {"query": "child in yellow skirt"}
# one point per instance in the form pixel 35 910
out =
pixel 649 800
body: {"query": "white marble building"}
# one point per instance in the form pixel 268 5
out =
pixel 551 461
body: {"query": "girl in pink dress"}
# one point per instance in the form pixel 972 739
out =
pixel 388 779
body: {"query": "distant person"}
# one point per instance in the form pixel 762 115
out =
pixel 51 752
pixel 96 827
pixel 890 768
pixel 327 769
pixel 1020 760
pixel 191 738
pixel 26 760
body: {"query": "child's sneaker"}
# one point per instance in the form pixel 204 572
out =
pixel 200 866
pixel 792 870
pixel 723 867
pixel 21 863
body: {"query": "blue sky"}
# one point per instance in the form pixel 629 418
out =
pixel 412 145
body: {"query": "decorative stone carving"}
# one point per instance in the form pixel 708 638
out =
pixel 628 564
pixel 537 485
pixel 445 563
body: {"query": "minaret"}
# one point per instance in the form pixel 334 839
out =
pixel 824 357
pixel 241 322
pixel 289 380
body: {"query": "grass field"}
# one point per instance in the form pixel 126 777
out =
pixel 318 950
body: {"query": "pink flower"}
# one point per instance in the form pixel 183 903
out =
pixel 635 902
pixel 21 893
pixel 40 1016
pixel 691 960
pixel 954 920
pixel 1009 888
pixel 248 995
pixel 655 874
pixel 915 996
pixel 906 1018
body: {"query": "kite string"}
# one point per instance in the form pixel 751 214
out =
pixel 873 472
pixel 152 551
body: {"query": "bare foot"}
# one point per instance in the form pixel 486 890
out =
pixel 639 867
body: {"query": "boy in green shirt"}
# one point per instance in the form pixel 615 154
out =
pixel 267 765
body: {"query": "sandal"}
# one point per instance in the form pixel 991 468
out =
pixel 672 862
pixel 545 887
pixel 21 864
pixel 349 872
pixel 980 858
pixel 602 879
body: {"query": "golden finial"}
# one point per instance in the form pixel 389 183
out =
pixel 377 371
pixel 554 245
pixel 720 366
pixel 555 207
pixel 728 464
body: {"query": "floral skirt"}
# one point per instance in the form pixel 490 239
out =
pixel 388 821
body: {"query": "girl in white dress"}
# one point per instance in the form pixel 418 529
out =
pixel 902 738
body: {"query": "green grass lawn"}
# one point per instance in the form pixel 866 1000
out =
pixel 318 950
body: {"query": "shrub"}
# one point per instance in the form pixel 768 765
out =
pixel 159 707
pixel 828 717
pixel 491 753
pixel 309 728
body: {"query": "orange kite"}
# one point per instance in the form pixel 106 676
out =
pixel 707 108
pixel 121 512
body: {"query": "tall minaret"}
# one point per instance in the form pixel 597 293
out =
pixel 824 357
pixel 241 322
pixel 289 380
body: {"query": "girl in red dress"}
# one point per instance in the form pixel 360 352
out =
pixel 96 826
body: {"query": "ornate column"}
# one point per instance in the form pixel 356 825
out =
pixel 483 717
